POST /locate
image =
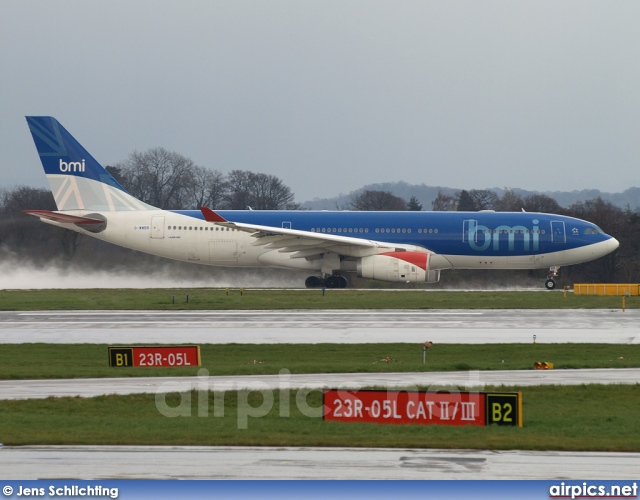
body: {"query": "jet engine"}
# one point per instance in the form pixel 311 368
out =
pixel 401 267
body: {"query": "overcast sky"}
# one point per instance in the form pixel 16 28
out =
pixel 332 95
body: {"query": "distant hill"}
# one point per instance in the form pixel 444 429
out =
pixel 426 194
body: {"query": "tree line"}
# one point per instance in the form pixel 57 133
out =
pixel 171 181
pixel 168 180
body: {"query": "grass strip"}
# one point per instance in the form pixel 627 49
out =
pixel 588 417
pixel 46 361
pixel 257 299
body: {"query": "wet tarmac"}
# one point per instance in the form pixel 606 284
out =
pixel 204 462
pixel 346 326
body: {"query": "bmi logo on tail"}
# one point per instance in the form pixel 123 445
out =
pixel 72 166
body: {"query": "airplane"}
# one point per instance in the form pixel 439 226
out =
pixel 408 247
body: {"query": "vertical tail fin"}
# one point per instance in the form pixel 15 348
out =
pixel 77 180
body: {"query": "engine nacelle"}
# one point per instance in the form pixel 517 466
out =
pixel 400 267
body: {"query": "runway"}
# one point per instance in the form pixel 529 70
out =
pixel 39 389
pixel 458 326
pixel 322 326
pixel 204 462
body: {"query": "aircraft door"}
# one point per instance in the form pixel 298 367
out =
pixel 558 234
pixel 157 227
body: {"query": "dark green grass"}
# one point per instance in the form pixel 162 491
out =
pixel 220 299
pixel 41 361
pixel 588 417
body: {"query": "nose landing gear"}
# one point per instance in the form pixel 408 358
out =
pixel 554 272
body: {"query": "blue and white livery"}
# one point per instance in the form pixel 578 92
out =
pixel 388 246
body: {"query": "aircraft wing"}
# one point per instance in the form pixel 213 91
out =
pixel 63 218
pixel 305 244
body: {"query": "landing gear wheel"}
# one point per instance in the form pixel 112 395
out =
pixel 336 281
pixel 550 284
pixel 332 282
pixel 313 282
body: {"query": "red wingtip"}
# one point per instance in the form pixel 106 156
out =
pixel 211 216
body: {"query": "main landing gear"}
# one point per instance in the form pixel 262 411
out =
pixel 333 281
pixel 554 272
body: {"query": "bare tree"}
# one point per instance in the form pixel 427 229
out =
pixel 377 201
pixel 208 188
pixel 257 191
pixel 14 201
pixel 510 202
pixel 270 193
pixel 542 203
pixel 444 203
pixel 238 196
pixel 158 177
pixel 484 199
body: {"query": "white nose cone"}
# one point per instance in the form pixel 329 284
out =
pixel 605 247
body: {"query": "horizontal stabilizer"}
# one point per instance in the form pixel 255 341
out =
pixel 63 218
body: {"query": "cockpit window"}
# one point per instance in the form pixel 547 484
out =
pixel 592 230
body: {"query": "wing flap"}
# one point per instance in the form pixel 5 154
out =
pixel 284 242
